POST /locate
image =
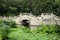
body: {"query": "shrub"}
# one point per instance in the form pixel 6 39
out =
pixel 19 34
pixel 4 29
pixel 48 28
pixel 10 23
pixel 46 32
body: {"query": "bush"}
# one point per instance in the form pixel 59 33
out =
pixel 19 34
pixel 0 36
pixel 45 32
pixel 49 28
pixel 10 23
pixel 4 29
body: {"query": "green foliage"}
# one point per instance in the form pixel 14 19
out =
pixel 18 34
pixel 10 23
pixel 36 7
pixel 49 28
pixel 4 28
pixel 45 32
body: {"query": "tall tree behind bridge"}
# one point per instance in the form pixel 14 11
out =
pixel 36 7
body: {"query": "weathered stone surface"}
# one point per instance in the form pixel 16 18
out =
pixel 46 19
pixel 36 21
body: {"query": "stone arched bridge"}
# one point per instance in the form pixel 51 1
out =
pixel 27 19
pixel 33 21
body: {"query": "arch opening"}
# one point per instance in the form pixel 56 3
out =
pixel 25 23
